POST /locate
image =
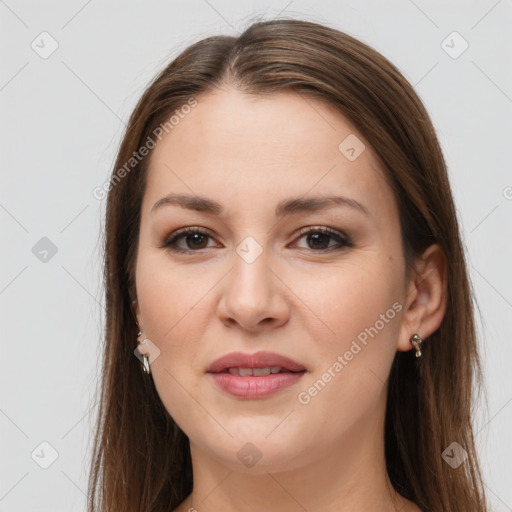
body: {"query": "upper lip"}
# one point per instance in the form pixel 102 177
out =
pixel 255 360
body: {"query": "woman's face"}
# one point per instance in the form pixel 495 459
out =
pixel 252 281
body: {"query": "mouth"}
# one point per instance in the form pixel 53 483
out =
pixel 257 372
pixel 255 376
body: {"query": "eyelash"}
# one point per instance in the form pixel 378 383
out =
pixel 171 241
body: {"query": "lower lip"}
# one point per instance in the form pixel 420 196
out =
pixel 255 387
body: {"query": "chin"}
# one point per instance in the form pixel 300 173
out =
pixel 258 454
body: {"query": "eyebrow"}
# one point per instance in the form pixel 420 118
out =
pixel 285 207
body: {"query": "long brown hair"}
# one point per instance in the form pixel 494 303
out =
pixel 141 459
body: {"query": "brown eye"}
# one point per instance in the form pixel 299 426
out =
pixel 194 239
pixel 318 239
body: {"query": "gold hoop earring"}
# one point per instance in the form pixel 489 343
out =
pixel 416 342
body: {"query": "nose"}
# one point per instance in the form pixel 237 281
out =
pixel 254 297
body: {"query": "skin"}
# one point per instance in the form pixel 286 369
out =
pixel 249 153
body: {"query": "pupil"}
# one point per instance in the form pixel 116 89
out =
pixel 315 237
pixel 195 237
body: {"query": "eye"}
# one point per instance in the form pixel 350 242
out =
pixel 195 239
pixel 319 237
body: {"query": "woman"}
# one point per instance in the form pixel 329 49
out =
pixel 283 257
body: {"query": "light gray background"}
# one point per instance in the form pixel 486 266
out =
pixel 62 119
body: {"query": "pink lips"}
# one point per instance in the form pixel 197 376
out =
pixel 254 386
pixel 256 360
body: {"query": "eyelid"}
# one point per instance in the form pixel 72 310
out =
pixel 190 229
pixel 324 229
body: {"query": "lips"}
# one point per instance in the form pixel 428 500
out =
pixel 234 361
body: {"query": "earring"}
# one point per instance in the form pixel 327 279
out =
pixel 145 364
pixel 417 341
pixel 145 357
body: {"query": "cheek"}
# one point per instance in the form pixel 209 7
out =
pixel 355 341
pixel 177 308
pixel 172 310
pixel 170 295
pixel 346 301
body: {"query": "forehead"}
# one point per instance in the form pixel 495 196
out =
pixel 246 148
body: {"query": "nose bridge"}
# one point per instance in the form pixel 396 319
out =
pixel 250 286
pixel 253 295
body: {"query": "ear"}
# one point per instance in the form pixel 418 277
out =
pixel 425 297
